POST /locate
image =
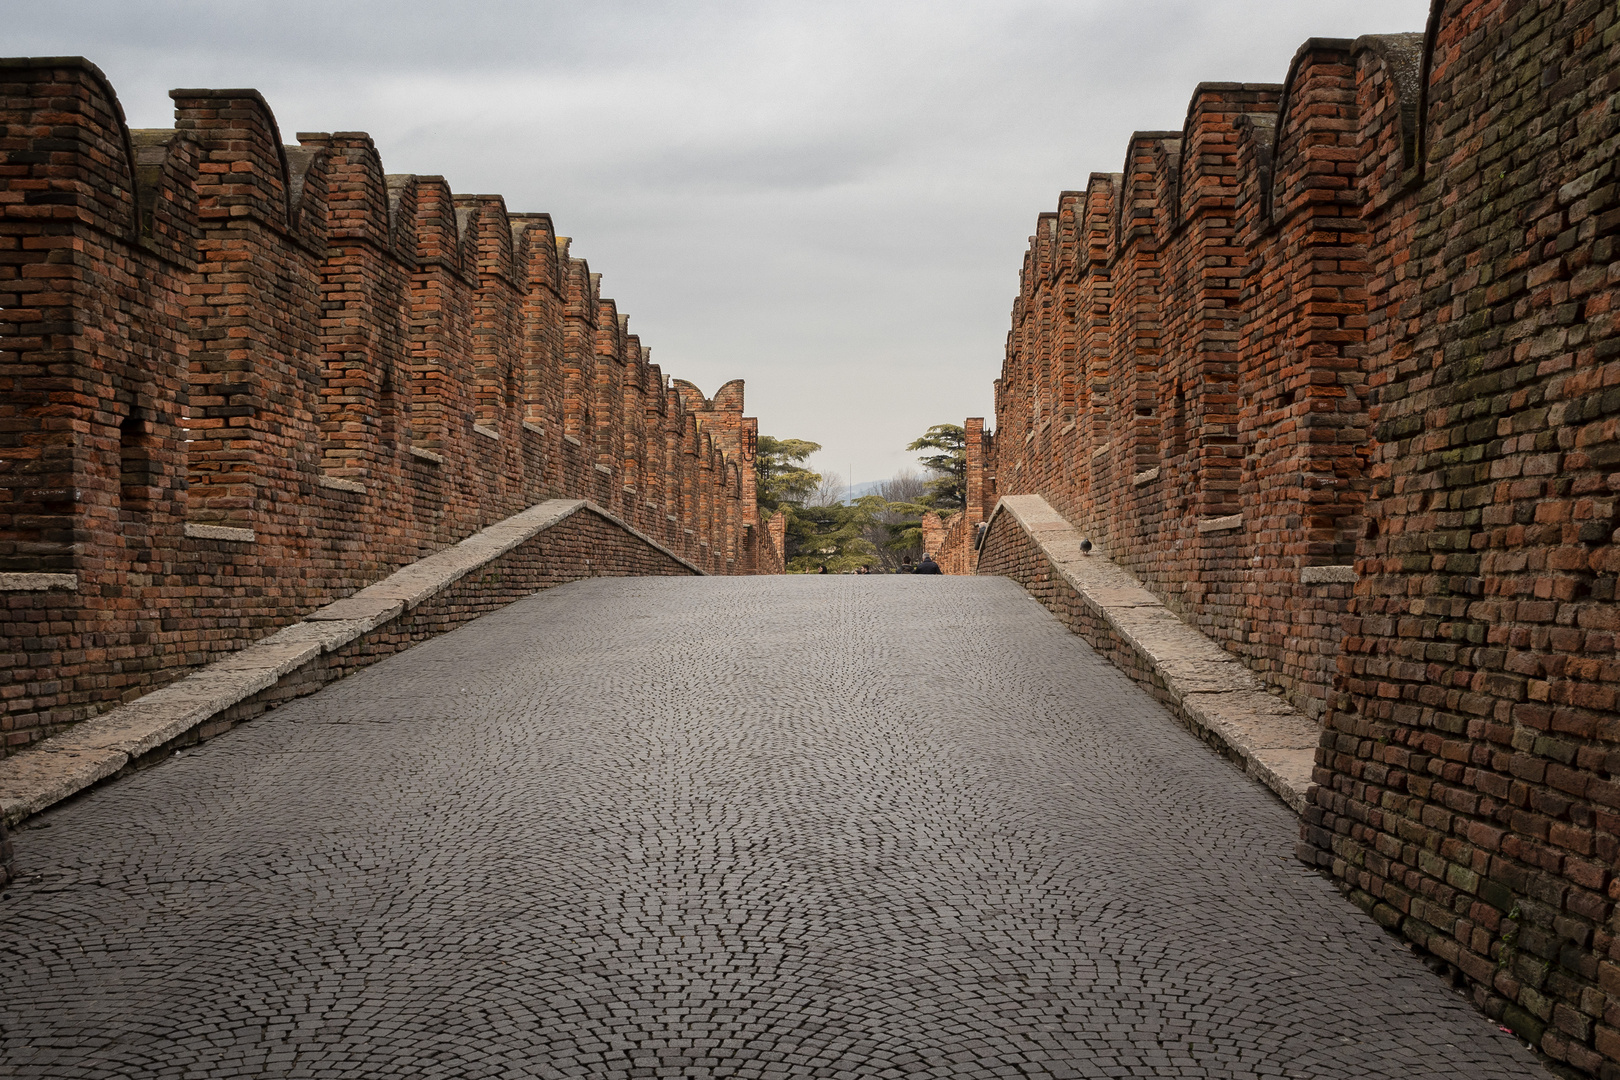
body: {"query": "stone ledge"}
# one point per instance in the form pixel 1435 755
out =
pixel 1328 575
pixel 572 439
pixel 427 455
pixel 219 532
pixel 63 765
pixel 1146 476
pixel 337 483
pixel 1209 690
pixel 10 582
pixel 487 432
pixel 605 470
pixel 536 428
pixel 1221 524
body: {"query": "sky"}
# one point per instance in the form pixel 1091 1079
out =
pixel 828 199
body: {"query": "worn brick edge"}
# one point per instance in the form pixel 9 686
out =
pixel 59 767
pixel 1206 688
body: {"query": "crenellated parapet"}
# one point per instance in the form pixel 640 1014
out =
pixel 1184 374
pixel 1327 369
pixel 241 378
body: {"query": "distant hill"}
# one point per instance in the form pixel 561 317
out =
pixel 868 488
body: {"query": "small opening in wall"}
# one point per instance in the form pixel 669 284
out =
pixel 1372 529
pixel 387 408
pixel 1177 423
pixel 135 462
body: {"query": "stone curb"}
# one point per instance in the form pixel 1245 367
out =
pixel 63 765
pixel 1210 691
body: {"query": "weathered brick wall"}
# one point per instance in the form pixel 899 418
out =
pixel 776 528
pixel 957 551
pixel 1150 394
pixel 1333 370
pixel 1011 552
pixel 1468 773
pixel 240 379
pixel 583 545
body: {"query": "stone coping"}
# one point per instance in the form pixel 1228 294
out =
pixel 219 532
pixel 1328 575
pixel 10 582
pixel 1221 524
pixel 338 483
pixel 63 765
pixel 1210 690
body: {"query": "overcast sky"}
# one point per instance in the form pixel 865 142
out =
pixel 828 199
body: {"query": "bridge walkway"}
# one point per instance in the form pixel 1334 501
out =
pixel 839 827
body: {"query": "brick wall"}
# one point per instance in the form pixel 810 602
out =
pixel 957 551
pixel 1333 369
pixel 580 546
pixel 1009 551
pixel 241 378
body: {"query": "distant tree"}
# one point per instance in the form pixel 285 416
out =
pixel 947 491
pixel 831 535
pixel 820 529
pixel 904 486
pixel 832 491
pixel 894 522
pixel 780 477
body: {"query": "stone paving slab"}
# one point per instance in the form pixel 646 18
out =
pixel 64 765
pixel 1209 688
pixel 829 827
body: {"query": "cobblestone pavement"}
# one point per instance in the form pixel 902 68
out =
pixel 767 827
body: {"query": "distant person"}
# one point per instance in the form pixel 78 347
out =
pixel 905 565
pixel 823 569
pixel 928 566
pixel 863 569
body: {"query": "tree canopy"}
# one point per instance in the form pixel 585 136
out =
pixel 779 473
pixel 882 530
pixel 829 535
pixel 819 528
pixel 894 521
pixel 948 490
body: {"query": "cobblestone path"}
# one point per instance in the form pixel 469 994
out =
pixel 768 827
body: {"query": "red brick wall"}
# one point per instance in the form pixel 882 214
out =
pixel 580 546
pixel 957 551
pixel 1469 768
pixel 206 329
pixel 1333 369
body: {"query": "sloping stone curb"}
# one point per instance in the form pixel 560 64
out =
pixel 65 764
pixel 1206 688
